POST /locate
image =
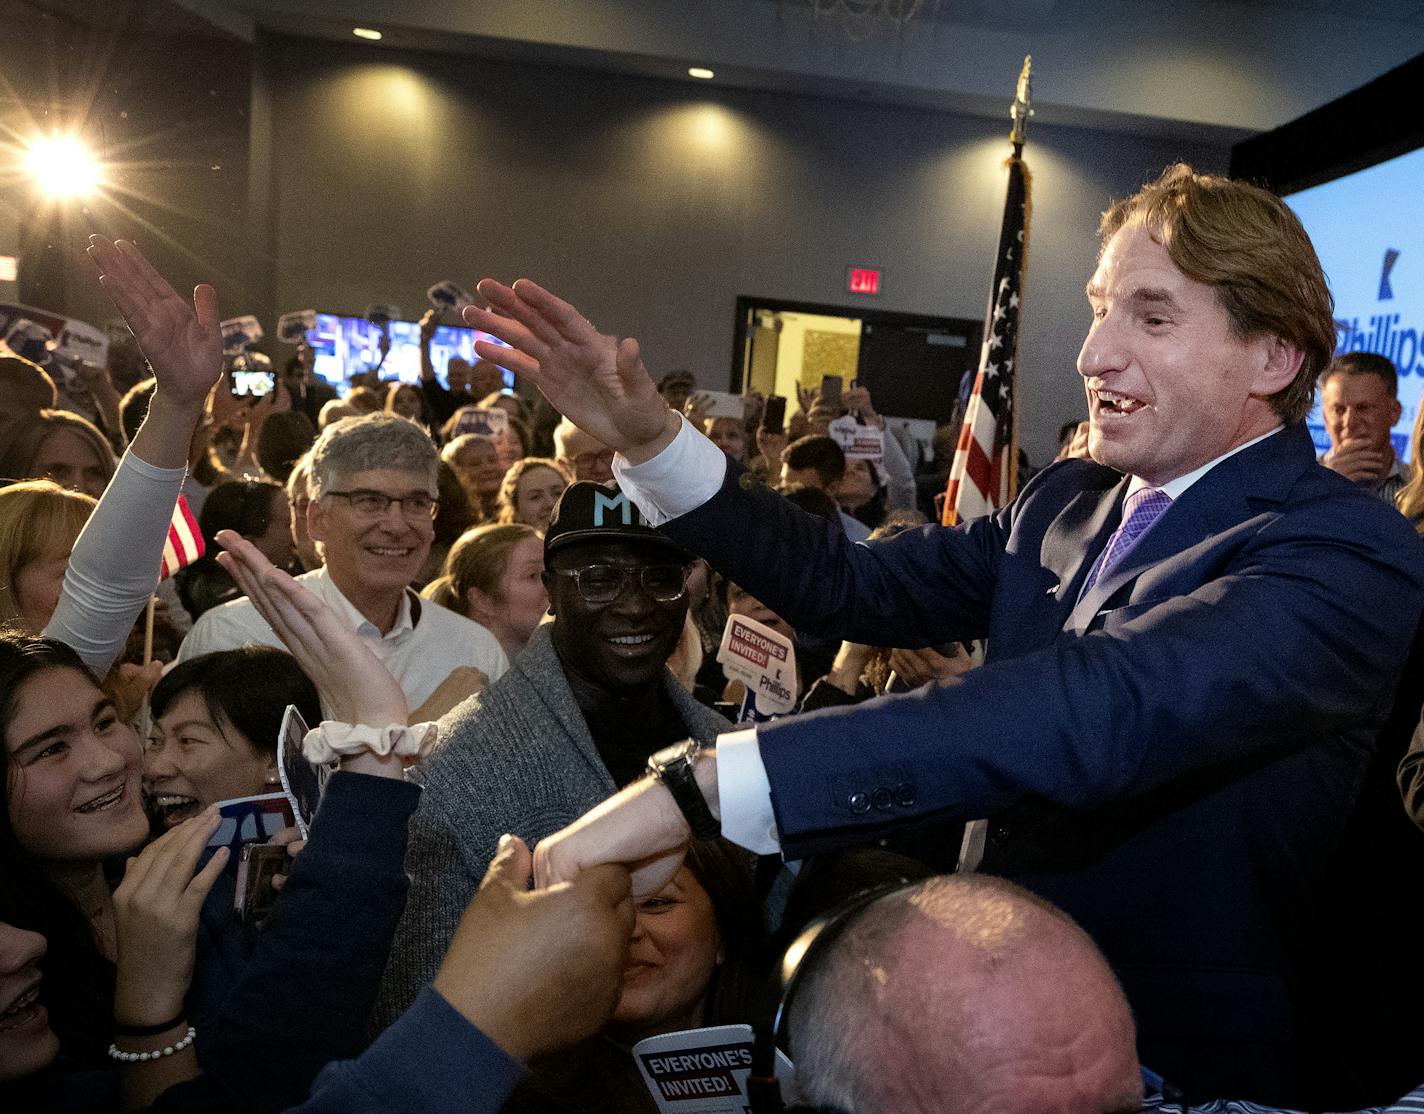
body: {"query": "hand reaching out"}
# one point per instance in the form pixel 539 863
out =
pixel 183 345
pixel 355 687
pixel 536 971
pixel 698 409
pixel 599 383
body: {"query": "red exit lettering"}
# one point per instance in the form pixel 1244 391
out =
pixel 864 280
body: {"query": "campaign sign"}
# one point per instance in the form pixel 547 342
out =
pixel 450 296
pixel 303 782
pixel 763 660
pixel 35 333
pixel 703 1071
pixel 239 333
pixel 857 441
pixel 249 820
pixel 82 341
pixel 292 327
pixel 492 422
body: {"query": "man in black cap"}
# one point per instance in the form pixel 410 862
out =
pixel 573 720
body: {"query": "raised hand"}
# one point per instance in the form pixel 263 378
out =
pixel 698 409
pixel 182 344
pixel 354 686
pixel 599 383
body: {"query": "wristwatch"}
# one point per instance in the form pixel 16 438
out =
pixel 673 767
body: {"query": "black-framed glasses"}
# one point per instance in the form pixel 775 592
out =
pixel 374 504
pixel 600 585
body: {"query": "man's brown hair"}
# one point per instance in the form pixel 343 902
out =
pixel 1245 242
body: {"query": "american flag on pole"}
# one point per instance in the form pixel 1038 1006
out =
pixel 184 544
pixel 984 474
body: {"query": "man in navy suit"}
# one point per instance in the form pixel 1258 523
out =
pixel 1191 642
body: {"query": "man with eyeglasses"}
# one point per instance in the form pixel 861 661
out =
pixel 575 718
pixel 372 510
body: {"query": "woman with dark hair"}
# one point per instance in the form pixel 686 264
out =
pixel 406 401
pixel 71 771
pixel 453 516
pixel 256 509
pixel 216 718
pixel 696 958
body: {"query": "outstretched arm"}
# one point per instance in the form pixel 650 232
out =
pixel 115 562
pixel 596 381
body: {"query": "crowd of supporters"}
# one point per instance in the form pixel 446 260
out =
pixel 385 559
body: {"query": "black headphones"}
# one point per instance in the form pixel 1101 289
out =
pixel 763 1088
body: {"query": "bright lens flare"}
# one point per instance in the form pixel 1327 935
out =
pixel 62 166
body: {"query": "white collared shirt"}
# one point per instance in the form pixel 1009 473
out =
pixel 425 644
pixel 680 479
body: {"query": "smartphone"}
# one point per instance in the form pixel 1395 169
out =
pixel 773 418
pixel 251 382
pixel 831 388
pixel 254 894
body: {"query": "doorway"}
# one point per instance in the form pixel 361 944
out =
pixel 913 364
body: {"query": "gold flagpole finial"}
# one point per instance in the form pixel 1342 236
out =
pixel 1022 107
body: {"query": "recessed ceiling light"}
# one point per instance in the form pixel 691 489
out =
pixel 366 33
pixel 702 72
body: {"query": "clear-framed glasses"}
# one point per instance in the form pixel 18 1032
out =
pixel 600 585
pixel 373 504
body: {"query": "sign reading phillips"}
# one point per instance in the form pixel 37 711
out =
pixel 762 659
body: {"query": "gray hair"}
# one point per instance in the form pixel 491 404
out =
pixel 370 442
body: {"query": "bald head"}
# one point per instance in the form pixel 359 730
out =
pixel 964 995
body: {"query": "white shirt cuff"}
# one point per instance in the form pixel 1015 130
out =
pixel 679 479
pixel 744 793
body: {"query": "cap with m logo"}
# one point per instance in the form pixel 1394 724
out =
pixel 590 513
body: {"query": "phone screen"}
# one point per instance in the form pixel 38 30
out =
pixel 774 418
pixel 251 382
pixel 255 893
pixel 831 388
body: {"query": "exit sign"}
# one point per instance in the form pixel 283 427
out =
pixel 864 280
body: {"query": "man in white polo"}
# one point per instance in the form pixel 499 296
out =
pixel 372 510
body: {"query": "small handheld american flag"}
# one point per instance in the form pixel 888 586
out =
pixel 184 544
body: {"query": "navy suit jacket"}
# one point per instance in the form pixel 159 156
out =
pixel 1170 759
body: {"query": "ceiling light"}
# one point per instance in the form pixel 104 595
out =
pixel 702 72
pixel 366 33
pixel 62 166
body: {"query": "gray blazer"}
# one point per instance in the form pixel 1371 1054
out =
pixel 516 758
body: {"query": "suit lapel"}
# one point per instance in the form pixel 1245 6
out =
pixel 1073 541
pixel 1218 501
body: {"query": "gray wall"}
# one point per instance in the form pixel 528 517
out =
pixel 163 98
pixel 652 205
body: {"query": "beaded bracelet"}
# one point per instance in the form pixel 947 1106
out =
pixel 156 1054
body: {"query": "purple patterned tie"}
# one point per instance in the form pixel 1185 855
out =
pixel 1140 510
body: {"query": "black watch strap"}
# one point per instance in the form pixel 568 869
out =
pixel 673 766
